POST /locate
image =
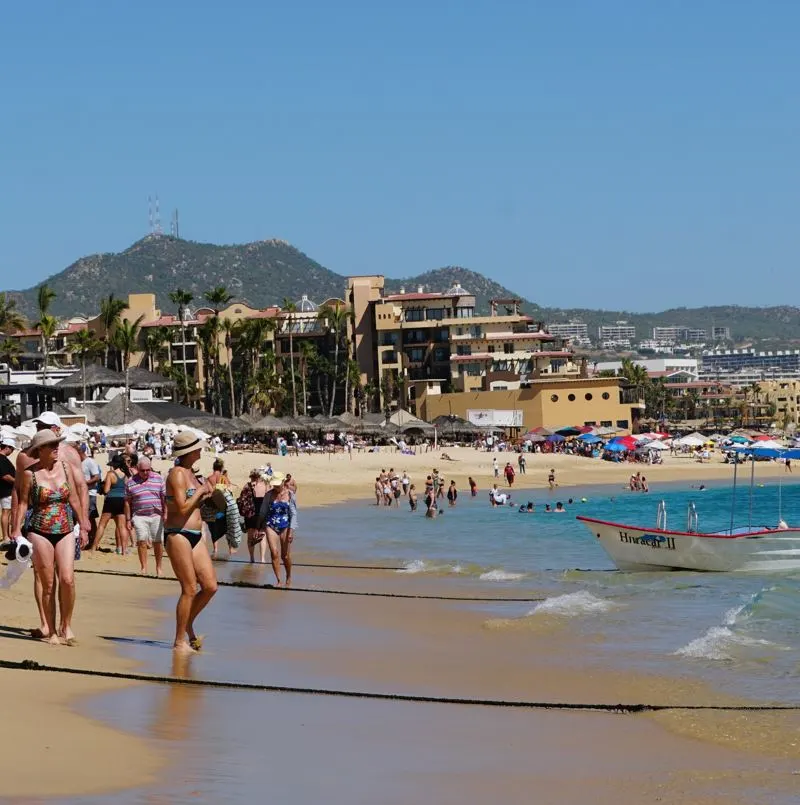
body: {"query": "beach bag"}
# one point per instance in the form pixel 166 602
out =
pixel 247 503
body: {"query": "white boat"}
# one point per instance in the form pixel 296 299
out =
pixel 743 549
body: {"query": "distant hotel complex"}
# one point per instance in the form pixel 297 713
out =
pixel 431 352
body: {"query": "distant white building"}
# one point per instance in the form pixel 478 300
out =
pixel 656 367
pixel 618 332
pixel 576 331
pixel 678 334
pixel 721 333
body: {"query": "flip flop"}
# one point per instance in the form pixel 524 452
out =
pixel 197 643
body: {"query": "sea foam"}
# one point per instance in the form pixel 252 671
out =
pixel 500 575
pixel 414 566
pixel 571 604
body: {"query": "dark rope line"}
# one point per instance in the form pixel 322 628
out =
pixel 253 586
pixel 32 665
pixel 315 564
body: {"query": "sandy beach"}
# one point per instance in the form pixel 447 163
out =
pixel 430 647
pixel 329 478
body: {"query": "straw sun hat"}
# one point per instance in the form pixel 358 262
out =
pixel 276 479
pixel 186 442
pixel 42 439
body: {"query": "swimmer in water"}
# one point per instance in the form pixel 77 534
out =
pixel 559 508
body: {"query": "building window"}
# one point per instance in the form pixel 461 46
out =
pixel 622 423
pixel 442 335
pixel 476 332
pixel 415 314
pixel 605 395
pixel 465 312
pixel 435 313
pixel 416 354
pixel 605 423
pixel 588 396
pixel 571 397
pixel 463 349
pixel 474 369
pixel 508 348
pixel 491 350
pixel 554 398
pixel 590 424
pixel 441 354
pixel 390 357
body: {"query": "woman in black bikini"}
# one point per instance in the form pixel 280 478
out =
pixel 50 491
pixel 183 541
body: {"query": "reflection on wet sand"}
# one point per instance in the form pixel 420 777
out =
pixel 177 711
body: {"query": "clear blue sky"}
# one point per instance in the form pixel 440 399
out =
pixel 583 153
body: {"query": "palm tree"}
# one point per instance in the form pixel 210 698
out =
pixel 207 338
pixel 229 328
pixel 85 345
pixel 308 358
pixel 217 297
pixel 154 341
pixel 336 319
pixel 264 389
pixel 182 299
pixel 10 350
pixel 290 309
pixel 47 324
pixel 111 309
pixel 126 340
pixel 10 318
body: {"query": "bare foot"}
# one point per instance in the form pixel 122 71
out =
pixel 278 583
pixel 53 640
pixel 183 647
pixel 160 573
pixel 288 582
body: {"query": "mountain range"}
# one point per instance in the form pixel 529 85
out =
pixel 267 272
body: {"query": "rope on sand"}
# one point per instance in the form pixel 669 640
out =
pixel 622 708
pixel 314 564
pixel 253 586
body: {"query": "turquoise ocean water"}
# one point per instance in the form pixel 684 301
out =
pixel 740 631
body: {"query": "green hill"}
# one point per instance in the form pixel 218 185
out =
pixel 266 272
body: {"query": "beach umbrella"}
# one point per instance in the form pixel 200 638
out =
pixel 655 445
pixel 739 439
pixel 569 430
pixel 589 438
pixel 615 447
pixel 556 438
pixel 762 437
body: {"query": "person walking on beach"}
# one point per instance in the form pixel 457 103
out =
pixel 275 517
pixel 452 493
pixel 405 481
pixel 144 512
pixel 509 473
pixel 114 503
pixel 521 463
pixel 47 420
pixel 183 532
pixel 250 499
pixel 7 481
pixel 787 465
pixel 378 490
pixel 551 479
pixel 50 489
pixel 91 474
pixel 495 468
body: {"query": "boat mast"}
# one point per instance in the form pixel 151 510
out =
pixel 733 497
pixel 752 479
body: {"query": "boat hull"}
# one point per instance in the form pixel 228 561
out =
pixel 652 549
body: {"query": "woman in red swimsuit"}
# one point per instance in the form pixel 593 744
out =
pixel 50 490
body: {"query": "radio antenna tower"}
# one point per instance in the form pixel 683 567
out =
pixel 150 228
pixel 157 230
pixel 173 224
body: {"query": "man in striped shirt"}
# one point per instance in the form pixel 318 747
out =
pixel 144 511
